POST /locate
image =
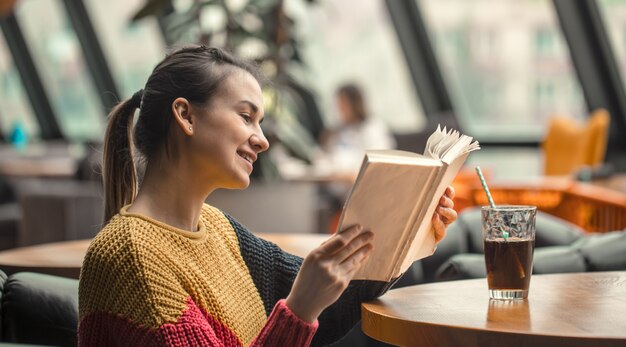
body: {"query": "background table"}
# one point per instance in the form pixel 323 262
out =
pixel 66 258
pixel 583 309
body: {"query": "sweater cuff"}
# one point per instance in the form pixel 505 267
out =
pixel 285 328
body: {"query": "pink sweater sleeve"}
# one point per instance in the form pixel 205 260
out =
pixel 284 328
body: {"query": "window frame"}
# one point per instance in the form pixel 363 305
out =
pixel 22 58
pixel 593 61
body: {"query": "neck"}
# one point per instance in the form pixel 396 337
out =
pixel 171 195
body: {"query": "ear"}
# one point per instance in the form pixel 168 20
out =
pixel 181 110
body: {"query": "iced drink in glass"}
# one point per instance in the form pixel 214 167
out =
pixel 509 240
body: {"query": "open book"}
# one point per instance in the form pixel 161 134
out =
pixel 395 196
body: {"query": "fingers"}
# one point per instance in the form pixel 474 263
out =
pixel 446 198
pixel 351 264
pixel 346 250
pixel 441 218
pixel 355 245
pixel 448 215
pixel 445 210
pixel 450 193
pixel 340 240
pixel 327 271
pixel 439 227
pixel 446 202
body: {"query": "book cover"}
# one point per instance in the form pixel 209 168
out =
pixel 395 195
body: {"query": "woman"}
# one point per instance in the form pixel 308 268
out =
pixel 357 132
pixel 169 270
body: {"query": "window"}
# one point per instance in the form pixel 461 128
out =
pixel 16 109
pixel 545 96
pixel 484 43
pixel 545 42
pixel 59 60
pixel 354 41
pixel 614 13
pixel 506 65
pixel 132 50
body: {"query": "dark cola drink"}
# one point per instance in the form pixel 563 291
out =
pixel 509 265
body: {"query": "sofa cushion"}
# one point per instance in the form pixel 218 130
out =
pixel 3 279
pixel 558 259
pixel 40 309
pixel 604 252
pixel 462 266
pixel 455 242
pixel 554 231
pixel 471 221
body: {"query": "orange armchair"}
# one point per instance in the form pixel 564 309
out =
pixel 568 146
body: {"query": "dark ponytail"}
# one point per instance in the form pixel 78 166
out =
pixel 119 172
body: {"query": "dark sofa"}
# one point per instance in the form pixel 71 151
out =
pixel 38 309
pixel 559 247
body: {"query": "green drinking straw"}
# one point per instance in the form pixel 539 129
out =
pixel 505 234
pixel 485 188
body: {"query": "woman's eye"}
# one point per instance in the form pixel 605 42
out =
pixel 246 117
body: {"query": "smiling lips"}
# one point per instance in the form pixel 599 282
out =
pixel 250 158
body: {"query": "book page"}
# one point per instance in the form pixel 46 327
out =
pixel 462 147
pixel 382 200
pixel 440 142
pixel 448 145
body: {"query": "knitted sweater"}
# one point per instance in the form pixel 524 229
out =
pixel 146 283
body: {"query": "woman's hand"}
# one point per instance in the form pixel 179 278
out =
pixel 327 271
pixel 444 214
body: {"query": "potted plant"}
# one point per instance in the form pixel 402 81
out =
pixel 262 31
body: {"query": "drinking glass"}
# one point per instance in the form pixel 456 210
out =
pixel 509 239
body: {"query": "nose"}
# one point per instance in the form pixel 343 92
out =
pixel 259 142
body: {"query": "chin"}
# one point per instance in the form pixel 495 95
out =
pixel 241 183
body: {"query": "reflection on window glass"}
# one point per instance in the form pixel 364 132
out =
pixel 506 65
pixel 354 41
pixel 16 109
pixel 614 13
pixel 131 50
pixel 60 62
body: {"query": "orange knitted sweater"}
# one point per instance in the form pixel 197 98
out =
pixel 144 283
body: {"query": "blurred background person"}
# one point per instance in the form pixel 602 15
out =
pixel 345 145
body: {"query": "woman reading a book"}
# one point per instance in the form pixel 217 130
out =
pixel 169 270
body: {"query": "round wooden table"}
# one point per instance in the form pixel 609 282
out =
pixel 581 309
pixel 66 258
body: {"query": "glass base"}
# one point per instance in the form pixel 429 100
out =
pixel 508 294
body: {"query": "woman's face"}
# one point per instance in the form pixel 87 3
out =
pixel 227 135
pixel 345 109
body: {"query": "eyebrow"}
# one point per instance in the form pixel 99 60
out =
pixel 253 106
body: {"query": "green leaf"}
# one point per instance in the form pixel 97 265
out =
pixel 151 8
